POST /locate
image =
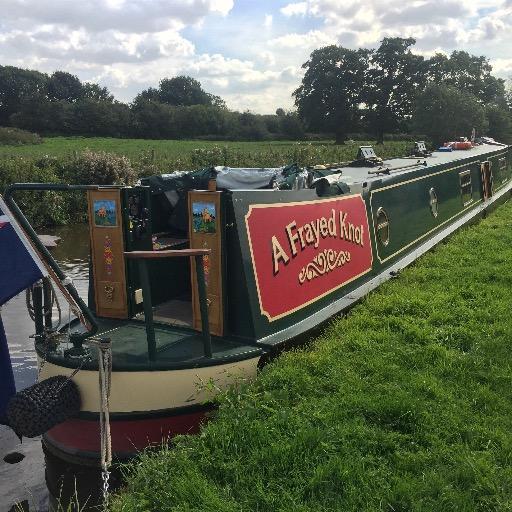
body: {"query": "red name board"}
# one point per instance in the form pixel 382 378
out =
pixel 303 251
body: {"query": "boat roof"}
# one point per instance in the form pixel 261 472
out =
pixel 239 178
pixel 357 175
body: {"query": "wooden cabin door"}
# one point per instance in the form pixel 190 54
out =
pixel 205 231
pixel 487 179
pixel 107 246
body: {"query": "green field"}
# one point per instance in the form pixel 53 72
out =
pixel 182 154
pixel 404 405
pixel 65 146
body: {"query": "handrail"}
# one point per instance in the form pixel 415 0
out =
pixel 197 254
pixel 25 224
pixel 179 253
pixel 388 170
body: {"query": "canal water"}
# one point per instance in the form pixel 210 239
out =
pixel 23 481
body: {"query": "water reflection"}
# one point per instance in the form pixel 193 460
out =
pixel 25 481
pixel 72 254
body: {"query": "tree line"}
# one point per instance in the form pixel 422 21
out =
pixel 391 89
pixel 60 104
pixel 378 91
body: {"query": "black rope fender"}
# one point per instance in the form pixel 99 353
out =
pixel 34 410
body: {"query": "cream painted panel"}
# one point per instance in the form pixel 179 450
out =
pixel 150 391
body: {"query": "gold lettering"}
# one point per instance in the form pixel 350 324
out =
pixel 331 224
pixel 310 239
pixel 292 237
pixel 351 232
pixel 323 227
pixel 278 254
pixel 343 228
pixel 357 234
pixel 316 231
pixel 361 243
pixel 301 236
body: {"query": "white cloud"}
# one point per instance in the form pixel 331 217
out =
pixel 295 9
pixel 129 45
pixel 309 41
pixel 134 16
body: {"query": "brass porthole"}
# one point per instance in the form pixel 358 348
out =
pixel 433 202
pixel 382 226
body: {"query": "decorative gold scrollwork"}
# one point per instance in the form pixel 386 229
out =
pixel 323 263
pixel 109 292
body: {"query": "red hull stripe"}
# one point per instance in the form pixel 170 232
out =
pixel 128 436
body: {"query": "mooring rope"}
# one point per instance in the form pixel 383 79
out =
pixel 54 302
pixel 105 378
pixel 104 346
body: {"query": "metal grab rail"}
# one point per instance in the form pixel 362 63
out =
pixel 388 170
pixel 43 251
pixel 197 254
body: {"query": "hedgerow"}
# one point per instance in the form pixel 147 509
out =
pixel 108 164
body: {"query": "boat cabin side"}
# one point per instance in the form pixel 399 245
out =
pixel 279 255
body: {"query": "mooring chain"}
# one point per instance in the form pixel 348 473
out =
pixel 105 377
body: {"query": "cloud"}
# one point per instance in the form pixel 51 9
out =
pixel 248 52
pixel 125 16
pixel 426 20
pixel 295 9
pixel 308 41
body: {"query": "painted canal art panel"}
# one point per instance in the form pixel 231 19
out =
pixel 204 215
pixel 304 251
pixel 105 213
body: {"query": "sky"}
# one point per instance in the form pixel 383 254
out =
pixel 249 52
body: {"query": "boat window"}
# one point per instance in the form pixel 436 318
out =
pixel 466 189
pixel 433 202
pixel 382 226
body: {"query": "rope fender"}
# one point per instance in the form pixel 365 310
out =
pixel 34 410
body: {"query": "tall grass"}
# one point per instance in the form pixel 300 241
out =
pixel 60 160
pixel 16 137
pixel 404 405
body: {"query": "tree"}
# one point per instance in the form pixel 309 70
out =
pixel 103 118
pixel 64 86
pixel 394 77
pixel 147 95
pixel 436 68
pixel 17 85
pixel 97 93
pixel 443 112
pixel 468 73
pixel 291 126
pixel 331 91
pixel 183 91
pixel 153 120
pixel 500 123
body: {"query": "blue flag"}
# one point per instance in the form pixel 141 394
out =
pixel 7 387
pixel 20 267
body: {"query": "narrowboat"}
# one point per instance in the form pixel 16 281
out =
pixel 196 278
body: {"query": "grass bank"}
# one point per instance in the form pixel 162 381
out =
pixel 404 405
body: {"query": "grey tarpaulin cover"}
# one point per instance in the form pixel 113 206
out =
pixel 246 178
pixel 169 191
